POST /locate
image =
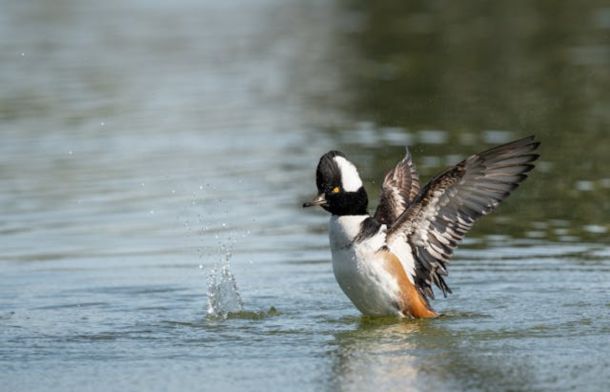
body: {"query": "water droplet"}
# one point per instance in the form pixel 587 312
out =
pixel 152 212
pixel 70 152
pixel 102 124
pixel 173 191
pixel 200 186
pixel 22 54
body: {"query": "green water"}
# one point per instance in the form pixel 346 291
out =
pixel 145 144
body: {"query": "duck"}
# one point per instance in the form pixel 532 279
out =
pixel 389 263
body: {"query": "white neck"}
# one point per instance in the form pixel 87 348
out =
pixel 343 229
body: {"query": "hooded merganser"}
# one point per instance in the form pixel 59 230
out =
pixel 387 263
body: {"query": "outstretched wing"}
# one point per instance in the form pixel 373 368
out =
pixel 449 204
pixel 400 186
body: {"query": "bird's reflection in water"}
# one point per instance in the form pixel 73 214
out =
pixel 380 354
pixel 386 354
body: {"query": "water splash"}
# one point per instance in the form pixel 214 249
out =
pixel 223 294
pixel 224 300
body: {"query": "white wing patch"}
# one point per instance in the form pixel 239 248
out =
pixel 350 179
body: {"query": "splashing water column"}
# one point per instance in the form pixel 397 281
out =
pixel 223 294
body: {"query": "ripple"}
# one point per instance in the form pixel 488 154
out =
pixel 74 305
pixel 432 136
pixel 252 315
pixel 595 229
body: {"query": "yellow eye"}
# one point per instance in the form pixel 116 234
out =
pixel 336 190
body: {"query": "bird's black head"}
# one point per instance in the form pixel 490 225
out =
pixel 340 189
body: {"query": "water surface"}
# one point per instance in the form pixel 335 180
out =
pixel 144 144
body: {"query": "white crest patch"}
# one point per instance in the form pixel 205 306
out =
pixel 350 179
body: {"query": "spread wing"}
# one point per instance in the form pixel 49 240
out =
pixel 447 207
pixel 400 187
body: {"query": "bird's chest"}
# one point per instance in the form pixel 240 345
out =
pixel 355 271
pixel 358 268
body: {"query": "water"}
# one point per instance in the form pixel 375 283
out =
pixel 223 293
pixel 142 141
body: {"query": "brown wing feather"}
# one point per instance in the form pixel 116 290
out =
pixel 400 187
pixel 447 207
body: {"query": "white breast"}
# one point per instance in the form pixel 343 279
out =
pixel 358 268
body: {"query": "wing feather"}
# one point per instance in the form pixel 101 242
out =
pixel 399 189
pixel 447 207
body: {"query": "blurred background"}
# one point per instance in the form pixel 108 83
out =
pixel 145 143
